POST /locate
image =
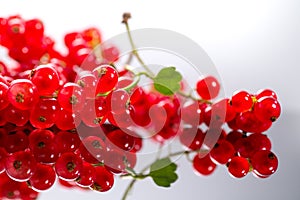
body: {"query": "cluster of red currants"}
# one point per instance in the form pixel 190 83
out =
pixel 245 148
pixel 77 117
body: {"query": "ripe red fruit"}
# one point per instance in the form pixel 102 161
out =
pixel 43 115
pixel 15 141
pixel 238 167
pixel 71 97
pixel 241 101
pixel 222 152
pixel 192 138
pixel 265 93
pixel 22 94
pixel 20 165
pixel 15 115
pixel 92 149
pixel 104 180
pixel 43 146
pixel 43 178
pixel 118 139
pixel 264 163
pixel 203 165
pixel 67 141
pixel 208 87
pixel 107 78
pixel 45 78
pixel 68 166
pixel 87 175
pixel 3 96
pixel 267 109
pixel 66 120
pixel 3 155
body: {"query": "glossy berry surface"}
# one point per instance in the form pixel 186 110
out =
pixel 107 78
pixel 43 178
pixel 208 87
pixel 71 97
pixel 22 94
pixel 241 101
pixel 203 165
pixel 68 166
pixel 103 181
pixel 20 165
pixel 264 162
pixel 238 167
pixel 45 78
pixel 267 109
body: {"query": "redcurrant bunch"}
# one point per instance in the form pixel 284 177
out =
pixel 80 119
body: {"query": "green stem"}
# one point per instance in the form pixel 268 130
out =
pixel 134 50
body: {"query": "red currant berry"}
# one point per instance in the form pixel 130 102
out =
pixel 208 87
pixel 16 141
pixel 92 36
pixel 94 111
pixel 43 115
pixel 15 115
pixel 87 175
pixel 117 101
pixel 265 93
pixel 120 140
pixel 248 122
pixel 43 178
pixel 20 165
pixel 222 152
pixel 192 138
pixel 192 113
pixel 66 120
pixel 93 149
pixel 238 167
pixel 71 98
pixel 67 141
pixel 234 136
pixel 3 155
pixel 41 143
pixel 241 101
pixel 22 94
pixel 107 78
pixel 3 96
pixel 104 180
pixel 45 78
pixel 88 83
pixel 267 109
pixel 34 31
pixel 203 165
pixel 68 166
pixel 264 163
pixel 110 54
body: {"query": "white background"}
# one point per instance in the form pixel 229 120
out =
pixel 254 44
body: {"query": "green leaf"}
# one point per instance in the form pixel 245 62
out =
pixel 163 172
pixel 167 81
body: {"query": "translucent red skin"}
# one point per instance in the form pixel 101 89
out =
pixel 264 163
pixel 222 152
pixel 27 168
pixel 46 79
pixel 238 167
pixel 104 180
pixel 203 165
pixel 61 166
pixel 22 94
pixel 43 177
pixel 267 109
pixel 208 87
